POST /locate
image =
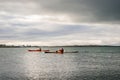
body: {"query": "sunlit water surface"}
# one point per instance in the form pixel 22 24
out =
pixel 91 63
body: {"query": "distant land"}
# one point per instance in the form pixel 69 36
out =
pixel 26 46
pixel 14 46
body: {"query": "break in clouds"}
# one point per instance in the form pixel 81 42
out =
pixel 74 22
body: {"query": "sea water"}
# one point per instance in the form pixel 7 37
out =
pixel 91 63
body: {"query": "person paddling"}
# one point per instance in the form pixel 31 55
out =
pixel 61 51
pixel 40 49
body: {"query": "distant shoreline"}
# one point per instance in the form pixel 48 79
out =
pixel 28 46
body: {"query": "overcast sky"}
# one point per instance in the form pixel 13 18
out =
pixel 60 22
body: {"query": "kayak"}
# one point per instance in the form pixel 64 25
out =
pixel 34 50
pixel 62 53
pixel 54 52
pixel 38 50
pixel 72 52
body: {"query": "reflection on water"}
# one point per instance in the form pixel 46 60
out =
pixel 49 66
pixel 31 63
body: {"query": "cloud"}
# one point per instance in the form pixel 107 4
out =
pixel 25 31
pixel 77 10
pixel 86 10
pixel 57 21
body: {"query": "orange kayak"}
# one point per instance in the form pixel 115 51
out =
pixel 38 50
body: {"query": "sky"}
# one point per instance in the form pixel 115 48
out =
pixel 60 22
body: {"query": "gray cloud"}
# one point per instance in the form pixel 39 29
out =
pixel 77 10
pixel 88 10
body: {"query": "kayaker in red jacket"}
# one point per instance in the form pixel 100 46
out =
pixel 61 51
pixel 40 49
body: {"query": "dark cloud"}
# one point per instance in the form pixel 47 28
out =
pixel 86 10
pixel 106 10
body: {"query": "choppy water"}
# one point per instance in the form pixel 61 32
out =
pixel 91 63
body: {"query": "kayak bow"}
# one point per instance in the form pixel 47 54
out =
pixel 38 50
